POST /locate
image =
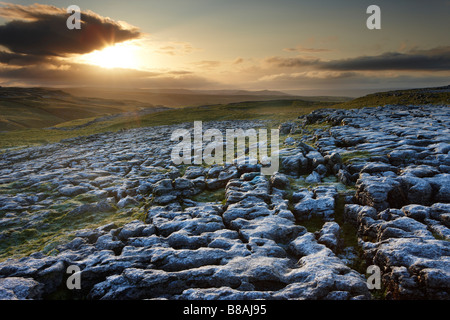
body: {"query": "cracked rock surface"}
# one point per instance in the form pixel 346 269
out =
pixel 369 187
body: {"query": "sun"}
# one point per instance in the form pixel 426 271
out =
pixel 121 55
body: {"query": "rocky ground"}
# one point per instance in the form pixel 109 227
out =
pixel 356 188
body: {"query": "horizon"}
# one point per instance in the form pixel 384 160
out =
pixel 231 92
pixel 240 150
pixel 294 47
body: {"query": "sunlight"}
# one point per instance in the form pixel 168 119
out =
pixel 122 55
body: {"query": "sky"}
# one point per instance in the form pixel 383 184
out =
pixel 295 46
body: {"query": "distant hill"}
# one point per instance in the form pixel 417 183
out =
pixel 437 95
pixel 31 116
pixel 22 108
pixel 274 110
pixel 176 98
pixel 221 92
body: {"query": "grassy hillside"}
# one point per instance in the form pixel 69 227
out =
pixel 22 108
pixel 279 110
pixel 177 98
pixel 43 116
pixel 264 110
pixel 439 95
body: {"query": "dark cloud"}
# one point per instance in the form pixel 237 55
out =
pixel 292 62
pixel 37 46
pixel 433 60
pixel 72 72
pixel 76 74
pixel 436 59
pixel 348 83
pixel 302 49
pixel 21 59
pixel 40 30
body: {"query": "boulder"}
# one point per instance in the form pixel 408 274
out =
pixel 305 245
pixel 403 227
pixel 315 158
pixel 72 191
pixel 166 198
pixel 279 181
pixel 399 157
pixel 194 172
pixel 379 192
pixel 377 167
pixel 294 165
pixel 107 242
pixel 321 207
pixel 286 127
pixel 417 212
pixel 330 235
pixel 127 201
pixel 16 288
pixel 417 190
pixel 423 262
pixel 182 183
pixel 314 177
pixel 162 187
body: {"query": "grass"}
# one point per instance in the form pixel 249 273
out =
pixel 348 156
pixel 277 111
pixel 318 125
pixel 22 113
pixel 280 110
pixel 401 97
pixel 315 223
pixel 58 227
pixel 8 188
pixel 210 196
pixel 182 98
pixel 22 108
pixel 438 236
pixel 72 115
pixel 21 186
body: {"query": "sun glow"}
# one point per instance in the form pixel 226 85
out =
pixel 122 55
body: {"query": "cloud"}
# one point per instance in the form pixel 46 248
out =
pixel 207 64
pixel 291 62
pixel 32 12
pixel 176 48
pixel 36 48
pixel 302 49
pixel 40 30
pixel 345 83
pixel 78 74
pixel 435 59
pixel 21 59
pixel 308 75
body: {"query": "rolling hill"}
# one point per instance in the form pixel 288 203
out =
pixel 421 96
pixel 176 98
pixel 24 108
pixel 278 110
pixel 35 115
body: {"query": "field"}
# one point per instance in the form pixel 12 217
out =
pixel 37 116
pixel 343 177
pixel 277 110
pixel 24 108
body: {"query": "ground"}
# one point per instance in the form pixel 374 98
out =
pixel 356 187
